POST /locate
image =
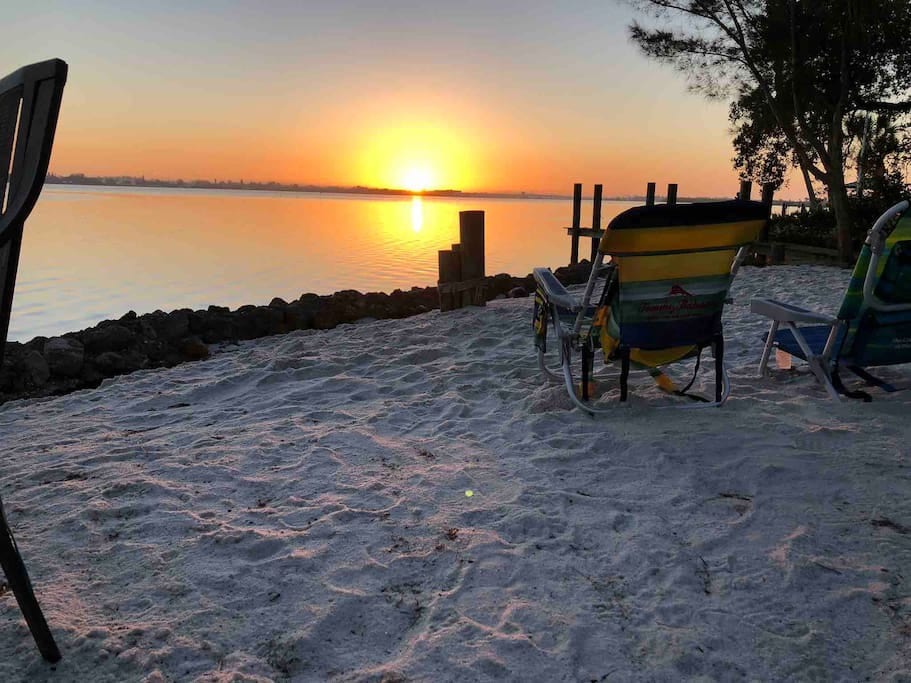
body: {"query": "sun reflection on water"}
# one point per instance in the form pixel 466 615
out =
pixel 93 253
pixel 417 214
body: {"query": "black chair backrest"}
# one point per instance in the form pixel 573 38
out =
pixel 29 105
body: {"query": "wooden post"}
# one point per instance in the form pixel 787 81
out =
pixel 596 220
pixel 447 275
pixel 672 194
pixel 784 208
pixel 746 188
pixel 650 194
pixel 457 262
pixel 777 254
pixel 471 233
pixel 768 196
pixel 577 218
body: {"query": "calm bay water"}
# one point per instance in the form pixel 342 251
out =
pixel 91 253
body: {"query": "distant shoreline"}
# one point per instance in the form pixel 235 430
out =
pixel 79 179
pixel 230 185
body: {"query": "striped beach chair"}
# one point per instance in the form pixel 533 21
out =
pixel 873 326
pixel 666 273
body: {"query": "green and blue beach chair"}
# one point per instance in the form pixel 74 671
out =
pixel 666 273
pixel 873 326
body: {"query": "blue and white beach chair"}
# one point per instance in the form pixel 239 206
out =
pixel 873 325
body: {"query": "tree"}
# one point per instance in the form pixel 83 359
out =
pixel 762 151
pixel 797 73
pixel 883 157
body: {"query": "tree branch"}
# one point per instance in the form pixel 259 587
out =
pixel 821 151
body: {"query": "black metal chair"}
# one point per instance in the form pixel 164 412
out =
pixel 29 105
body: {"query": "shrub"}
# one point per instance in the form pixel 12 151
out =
pixel 816 228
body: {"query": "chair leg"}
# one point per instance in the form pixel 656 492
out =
pixel 586 370
pixel 767 349
pixel 872 380
pixel 624 372
pixel 842 389
pixel 824 377
pixel 719 367
pixel 17 576
pixel 818 364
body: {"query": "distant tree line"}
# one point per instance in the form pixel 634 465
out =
pixel 271 185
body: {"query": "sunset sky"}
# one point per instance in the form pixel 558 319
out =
pixel 470 95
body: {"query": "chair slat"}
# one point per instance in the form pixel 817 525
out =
pixel 31 142
pixel 9 119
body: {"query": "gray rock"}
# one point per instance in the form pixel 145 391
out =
pixel 112 363
pixel 193 348
pixel 175 325
pixel 298 317
pixel 33 369
pixel 518 293
pixel 218 327
pixel 110 337
pixel 64 356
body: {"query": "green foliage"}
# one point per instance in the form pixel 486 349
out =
pixel 813 228
pixel 802 77
pixel 817 228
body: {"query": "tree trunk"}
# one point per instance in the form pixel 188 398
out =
pixel 838 199
pixel 811 192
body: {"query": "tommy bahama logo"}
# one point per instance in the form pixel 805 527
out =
pixel 677 303
pixel 677 290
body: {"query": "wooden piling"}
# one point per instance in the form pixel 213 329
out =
pixel 650 194
pixel 596 220
pixel 577 218
pixel 746 188
pixel 768 196
pixel 672 194
pixel 457 262
pixel 777 254
pixel 471 234
pixel 461 280
pixel 448 274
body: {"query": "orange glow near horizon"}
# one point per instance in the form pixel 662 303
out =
pixel 428 146
pixel 416 158
pixel 448 97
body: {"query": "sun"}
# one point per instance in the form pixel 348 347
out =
pixel 417 178
pixel 414 156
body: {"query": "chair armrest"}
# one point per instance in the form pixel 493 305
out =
pixel 554 290
pixel 782 312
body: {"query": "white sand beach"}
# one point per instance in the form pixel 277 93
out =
pixel 296 508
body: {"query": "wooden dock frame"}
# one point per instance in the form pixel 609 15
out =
pixel 462 281
pixel 595 232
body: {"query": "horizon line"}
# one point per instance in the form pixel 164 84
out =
pixel 276 186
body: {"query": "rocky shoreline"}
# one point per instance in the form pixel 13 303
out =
pixel 81 360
